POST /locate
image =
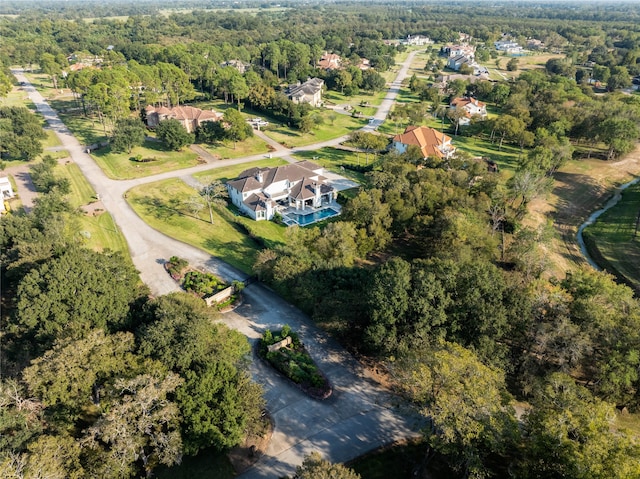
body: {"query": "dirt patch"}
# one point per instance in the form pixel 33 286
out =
pixel 93 209
pixel 580 188
pixel 245 455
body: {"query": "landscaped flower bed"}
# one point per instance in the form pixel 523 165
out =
pixel 200 283
pixel 294 361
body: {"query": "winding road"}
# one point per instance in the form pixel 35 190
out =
pixel 360 415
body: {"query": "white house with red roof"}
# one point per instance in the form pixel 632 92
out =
pixel 190 117
pixel 430 141
pixel 260 192
pixel 330 61
pixel 471 106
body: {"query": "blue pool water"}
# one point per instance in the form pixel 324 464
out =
pixel 309 218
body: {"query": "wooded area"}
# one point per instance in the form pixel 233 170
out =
pixel 431 270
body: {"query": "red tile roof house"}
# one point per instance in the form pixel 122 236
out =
pixel 472 108
pixel 431 142
pixel 330 61
pixel 190 117
pixel 260 192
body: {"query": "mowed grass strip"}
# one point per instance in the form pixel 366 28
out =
pixel 334 126
pixel 613 234
pixel 99 231
pixel 119 166
pixel 163 206
pixel 251 146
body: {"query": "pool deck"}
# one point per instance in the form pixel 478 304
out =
pixel 290 221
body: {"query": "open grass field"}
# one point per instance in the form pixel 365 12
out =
pixel 99 231
pixel 526 62
pixel 614 238
pixel 580 188
pixel 334 125
pixel 162 206
pixel 248 147
pixel 17 97
pixel 335 97
pixel 119 166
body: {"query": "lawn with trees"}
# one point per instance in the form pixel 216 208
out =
pixel 435 269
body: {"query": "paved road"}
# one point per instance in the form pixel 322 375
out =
pixel 360 415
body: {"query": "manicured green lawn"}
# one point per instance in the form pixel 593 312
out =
pixel 248 147
pixel 162 205
pixel 208 464
pixel 88 131
pixel 338 98
pixel 103 233
pixel 613 236
pixel 119 166
pixel 51 140
pixel 231 172
pixel 334 126
pixel 99 232
pixel 506 158
pixel 81 191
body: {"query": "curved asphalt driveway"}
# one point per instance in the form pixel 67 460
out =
pixel 360 415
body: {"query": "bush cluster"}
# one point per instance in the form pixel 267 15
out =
pixel 202 283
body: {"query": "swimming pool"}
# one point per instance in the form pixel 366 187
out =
pixel 313 217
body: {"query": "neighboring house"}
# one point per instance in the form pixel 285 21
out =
pixel 239 65
pixel 364 64
pixel 535 44
pixel 260 192
pixel 472 107
pixel 418 40
pixel 430 141
pixel 508 46
pixel 456 62
pixel 460 49
pixel 6 191
pixel 190 117
pixel 307 92
pixel 330 61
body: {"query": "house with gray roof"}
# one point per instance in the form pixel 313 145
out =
pixel 260 192
pixel 307 92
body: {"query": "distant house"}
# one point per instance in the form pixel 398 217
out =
pixel 330 61
pixel 239 65
pixel 430 141
pixel 418 40
pixel 472 107
pixel 307 92
pixel 535 44
pixel 508 46
pixel 6 191
pixel 459 49
pixel 364 64
pixel 190 117
pixel 456 62
pixel 259 192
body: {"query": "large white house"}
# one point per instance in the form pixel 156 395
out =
pixel 259 192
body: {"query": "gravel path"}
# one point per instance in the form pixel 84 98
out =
pixel 360 415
